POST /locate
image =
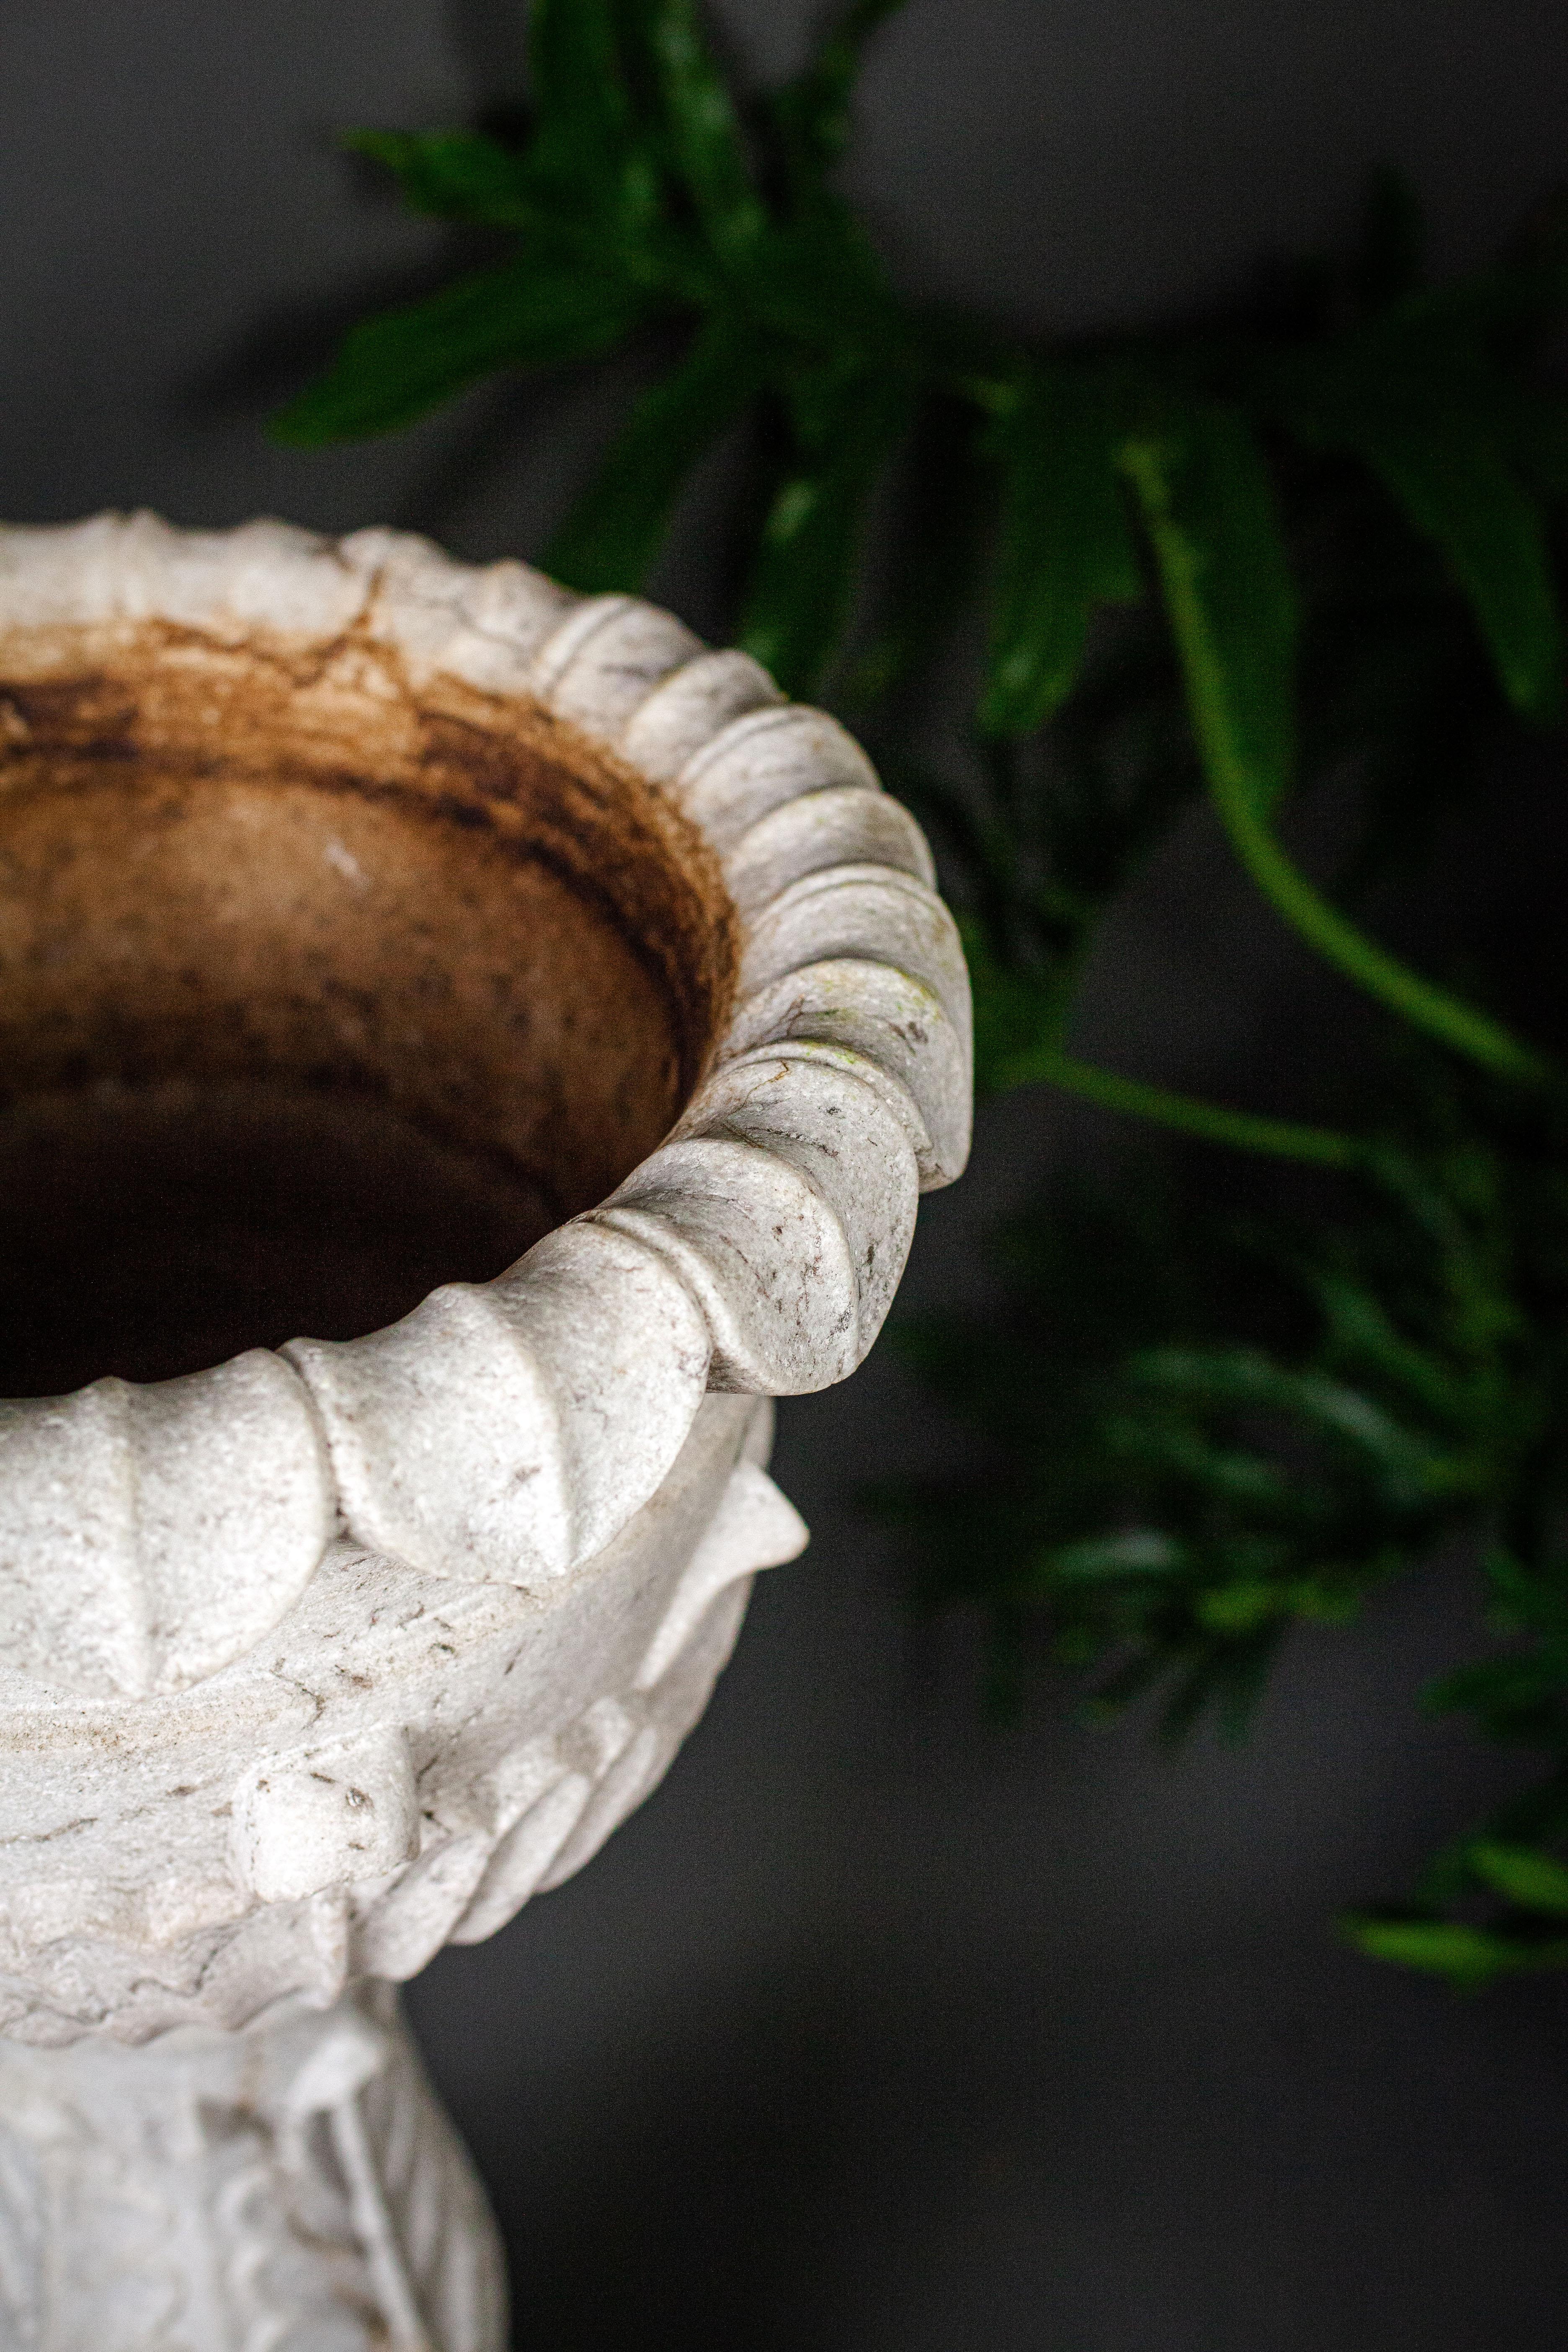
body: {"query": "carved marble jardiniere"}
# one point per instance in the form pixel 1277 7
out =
pixel 368 921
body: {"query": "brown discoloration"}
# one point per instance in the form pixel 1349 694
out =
pixel 277 866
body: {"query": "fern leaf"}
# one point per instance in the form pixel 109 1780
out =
pixel 393 368
pixel 613 533
pixel 1209 507
pixel 1066 544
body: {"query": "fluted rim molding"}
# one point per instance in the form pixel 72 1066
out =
pixel 507 1431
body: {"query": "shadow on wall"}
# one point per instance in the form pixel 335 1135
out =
pixel 876 2031
pixel 863 2159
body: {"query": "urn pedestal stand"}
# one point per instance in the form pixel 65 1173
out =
pixel 368 923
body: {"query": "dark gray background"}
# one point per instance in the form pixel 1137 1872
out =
pixel 876 2029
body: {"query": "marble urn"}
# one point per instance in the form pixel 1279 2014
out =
pixel 559 1026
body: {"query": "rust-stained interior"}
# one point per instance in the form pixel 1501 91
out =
pixel 315 992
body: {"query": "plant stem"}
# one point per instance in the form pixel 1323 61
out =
pixel 1241 709
pixel 1340 942
pixel 1282 1138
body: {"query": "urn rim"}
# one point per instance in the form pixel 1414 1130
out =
pixel 508 1430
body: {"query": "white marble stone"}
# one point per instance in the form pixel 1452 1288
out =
pixel 293 2187
pixel 315 1660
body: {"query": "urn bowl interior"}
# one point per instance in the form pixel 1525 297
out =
pixel 315 991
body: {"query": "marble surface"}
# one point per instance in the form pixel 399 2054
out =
pixel 322 1656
